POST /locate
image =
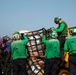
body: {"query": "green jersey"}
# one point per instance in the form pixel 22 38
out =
pixel 18 48
pixel 52 47
pixel 62 29
pixel 70 45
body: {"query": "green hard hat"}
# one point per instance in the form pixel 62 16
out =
pixel 56 19
pixel 73 31
pixel 16 36
pixel 16 33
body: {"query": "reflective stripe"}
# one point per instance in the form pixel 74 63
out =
pixel 53 40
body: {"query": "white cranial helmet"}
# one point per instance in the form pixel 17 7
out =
pixel 54 35
pixel 16 36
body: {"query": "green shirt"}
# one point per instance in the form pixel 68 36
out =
pixel 19 48
pixel 70 45
pixel 62 29
pixel 52 47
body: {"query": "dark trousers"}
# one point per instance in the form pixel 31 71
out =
pixel 50 66
pixel 0 67
pixel 19 66
pixel 72 65
pixel 0 70
pixel 62 41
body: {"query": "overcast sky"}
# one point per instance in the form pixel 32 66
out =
pixel 16 15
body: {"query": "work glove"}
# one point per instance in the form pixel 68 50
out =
pixel 52 29
pixel 22 36
pixel 44 31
